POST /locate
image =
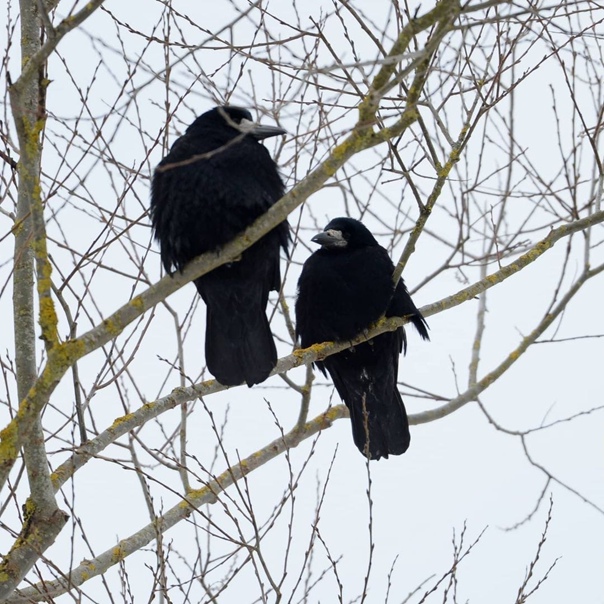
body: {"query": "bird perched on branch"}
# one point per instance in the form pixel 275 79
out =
pixel 345 287
pixel 216 180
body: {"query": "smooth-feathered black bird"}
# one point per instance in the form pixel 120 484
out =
pixel 216 180
pixel 345 287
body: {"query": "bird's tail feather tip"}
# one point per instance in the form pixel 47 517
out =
pixel 380 431
pixel 421 325
pixel 247 358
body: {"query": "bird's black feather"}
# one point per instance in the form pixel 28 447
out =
pixel 345 287
pixel 216 180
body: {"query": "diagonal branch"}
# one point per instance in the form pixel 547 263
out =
pixel 317 352
pixel 194 499
pixel 209 492
pixel 443 14
pixel 479 386
pixel 36 61
pixel 63 356
pixel 299 357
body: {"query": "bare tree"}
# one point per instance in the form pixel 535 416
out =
pixel 466 135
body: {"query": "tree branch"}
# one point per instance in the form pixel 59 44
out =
pixel 62 356
pixel 478 387
pixel 37 60
pixel 318 352
pixel 194 499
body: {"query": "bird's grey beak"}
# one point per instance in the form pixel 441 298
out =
pixel 330 239
pixel 258 131
pixel 321 239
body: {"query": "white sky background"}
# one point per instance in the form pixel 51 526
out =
pixel 459 469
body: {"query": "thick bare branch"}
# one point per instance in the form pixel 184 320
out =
pixel 63 356
pixel 193 500
pixel 305 356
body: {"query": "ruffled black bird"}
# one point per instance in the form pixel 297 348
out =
pixel 216 180
pixel 345 287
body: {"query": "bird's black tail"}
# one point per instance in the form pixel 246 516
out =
pixel 239 344
pixel 379 420
pixel 379 424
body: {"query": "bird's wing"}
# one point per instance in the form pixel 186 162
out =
pixel 402 305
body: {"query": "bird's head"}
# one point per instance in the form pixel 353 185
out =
pixel 236 120
pixel 345 233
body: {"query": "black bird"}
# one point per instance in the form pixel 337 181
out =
pixel 215 181
pixel 345 287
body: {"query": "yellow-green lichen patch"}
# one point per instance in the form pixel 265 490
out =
pixel 60 358
pixel 88 571
pixel 138 303
pixel 9 447
pixel 149 406
pixel 192 495
pixel 196 497
pixel 244 465
pixel 113 327
pixel 29 507
pixel 380 322
pixel 32 138
pixel 120 420
pixel 45 270
pixel 118 553
pixel 319 348
pixel 67 354
pixel 48 317
pixel 345 150
pixel 58 477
